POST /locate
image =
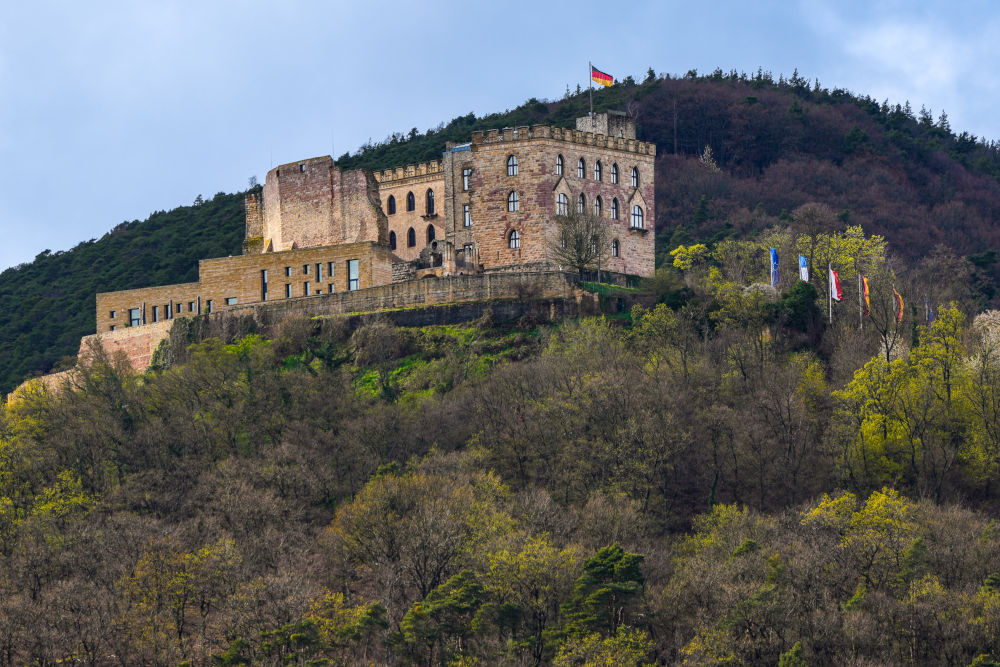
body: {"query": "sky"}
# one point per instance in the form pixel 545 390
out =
pixel 112 110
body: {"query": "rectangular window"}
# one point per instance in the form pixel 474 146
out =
pixel 263 284
pixel 230 300
pixel 180 307
pixel 112 327
pixel 305 269
pixel 468 252
pixel 134 317
pixel 319 272
pixel 466 177
pixel 353 282
pixel 332 290
pixel 288 290
pixel 468 215
pixel 190 306
pixel 211 306
pixel 168 311
pixel 156 313
pixel 329 270
pixel 112 314
pixel 288 271
pixel 305 288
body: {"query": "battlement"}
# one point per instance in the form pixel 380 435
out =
pixel 409 171
pixel 526 133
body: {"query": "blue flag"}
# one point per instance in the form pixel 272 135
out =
pixel 774 267
pixel 803 269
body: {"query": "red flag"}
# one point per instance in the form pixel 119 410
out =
pixel 835 292
pixel 899 305
pixel 600 77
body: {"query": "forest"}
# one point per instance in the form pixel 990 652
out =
pixel 721 475
pixel 737 154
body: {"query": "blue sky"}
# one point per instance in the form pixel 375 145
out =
pixel 112 110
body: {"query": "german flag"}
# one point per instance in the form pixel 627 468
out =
pixel 600 77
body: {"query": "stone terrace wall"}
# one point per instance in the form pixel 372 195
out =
pixel 553 292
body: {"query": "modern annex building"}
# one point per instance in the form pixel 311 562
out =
pixel 487 206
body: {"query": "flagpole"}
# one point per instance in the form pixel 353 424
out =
pixel 590 78
pixel 829 290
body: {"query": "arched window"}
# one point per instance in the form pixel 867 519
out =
pixel 511 165
pixel 391 205
pixel 614 248
pixel 581 204
pixel 637 222
pixel 411 202
pixel 598 206
pixel 562 205
pixel 614 173
pixel 512 202
pixel 514 240
pixel 411 238
pixel 581 169
pixel 614 208
pixel 559 165
pixel 392 240
pixel 430 233
pixel 598 171
pixel 635 177
pixel 430 202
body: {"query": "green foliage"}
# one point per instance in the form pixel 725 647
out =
pixel 610 580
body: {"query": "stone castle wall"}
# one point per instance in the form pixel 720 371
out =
pixel 398 183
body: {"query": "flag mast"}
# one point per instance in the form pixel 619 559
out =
pixel 829 290
pixel 590 79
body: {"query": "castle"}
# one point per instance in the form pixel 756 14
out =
pixel 488 206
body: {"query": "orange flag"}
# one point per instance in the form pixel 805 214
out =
pixel 868 303
pixel 899 305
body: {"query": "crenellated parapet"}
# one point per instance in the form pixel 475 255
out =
pixel 570 136
pixel 388 176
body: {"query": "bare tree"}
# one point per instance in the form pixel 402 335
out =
pixel 581 242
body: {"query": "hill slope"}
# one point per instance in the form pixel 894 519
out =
pixel 777 143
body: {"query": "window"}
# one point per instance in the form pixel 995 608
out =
pixel 614 248
pixel 511 165
pixel 512 202
pixel 466 177
pixel 288 271
pixel 134 317
pixel 392 240
pixel 614 208
pixel 391 205
pixel 430 233
pixel 168 311
pixel 635 177
pixel 288 290
pixel 637 222
pixel 598 171
pixel 581 204
pixel 305 269
pixel 112 314
pixel 598 206
pixel 467 213
pixel 332 290
pixel 190 306
pixel 305 288
pixel 180 307
pixel 411 238
pixel 430 202
pixel 210 305
pixel 319 271
pixel 411 202
pixel 468 252
pixel 156 313
pixel 559 165
pixel 614 173
pixel 302 168
pixel 352 274
pixel 581 169
pixel 514 241
pixel 562 205
pixel 230 300
pixel 112 327
pixel 329 270
pixel 263 285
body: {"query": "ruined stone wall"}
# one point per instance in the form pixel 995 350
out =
pixel 537 184
pixel 609 123
pixel 136 343
pixel 312 203
pixel 398 183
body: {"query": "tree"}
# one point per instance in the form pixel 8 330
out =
pixel 581 243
